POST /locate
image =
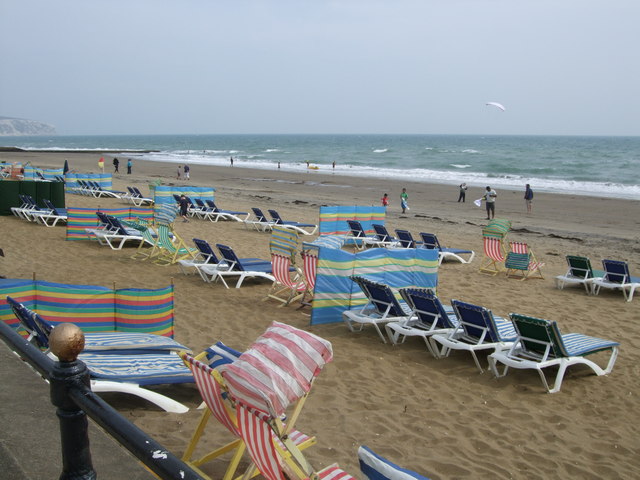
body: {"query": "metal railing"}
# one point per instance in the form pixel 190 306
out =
pixel 71 394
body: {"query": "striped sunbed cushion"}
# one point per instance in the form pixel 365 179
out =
pixel 96 342
pixel 142 369
pixel 578 344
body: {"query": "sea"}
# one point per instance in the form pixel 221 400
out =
pixel 584 165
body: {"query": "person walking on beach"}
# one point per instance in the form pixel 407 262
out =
pixel 333 166
pixel 116 164
pixel 404 199
pixel 385 200
pixel 528 197
pixel 184 208
pixel 129 165
pixel 186 172
pixel 179 177
pixel 231 161
pixel 490 202
pixel 463 192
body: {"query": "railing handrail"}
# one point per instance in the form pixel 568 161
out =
pixel 151 453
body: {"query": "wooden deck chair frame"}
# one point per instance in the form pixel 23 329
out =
pixel 220 405
pixel 309 270
pixel 171 251
pixel 277 460
pixel 494 256
pixel 147 248
pixel 522 263
pixel 285 288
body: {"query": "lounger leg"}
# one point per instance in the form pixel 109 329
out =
pixel 384 340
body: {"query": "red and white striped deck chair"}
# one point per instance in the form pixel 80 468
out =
pixel 257 433
pixel 494 256
pixel 221 407
pixel 285 288
pixel 274 377
pixel 530 265
pixel 309 269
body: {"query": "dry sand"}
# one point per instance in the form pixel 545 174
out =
pixel 439 417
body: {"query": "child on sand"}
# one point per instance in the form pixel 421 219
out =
pixel 404 198
pixel 385 200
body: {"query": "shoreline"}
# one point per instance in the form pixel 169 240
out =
pixel 565 215
pixel 549 186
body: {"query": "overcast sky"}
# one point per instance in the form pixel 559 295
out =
pixel 561 67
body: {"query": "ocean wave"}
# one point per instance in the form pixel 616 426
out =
pixel 272 150
pixel 381 150
pixel 456 165
pixel 447 177
pixel 470 150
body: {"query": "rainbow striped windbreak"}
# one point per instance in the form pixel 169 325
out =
pixel 333 220
pixel 92 308
pixel 335 292
pixel 78 219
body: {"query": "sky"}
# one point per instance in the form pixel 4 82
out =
pixel 568 67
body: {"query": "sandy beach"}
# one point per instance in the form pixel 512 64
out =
pixel 441 418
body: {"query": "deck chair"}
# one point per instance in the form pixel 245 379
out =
pixel 302 228
pixel 382 307
pixel 430 241
pixel 220 406
pixel 216 213
pixel 172 247
pixel 150 239
pixel 540 345
pixel 494 256
pixel 376 467
pixel 428 318
pixel 118 234
pixel 406 240
pixel 579 273
pixel 97 342
pixel 384 238
pixel 359 237
pixel 521 262
pixel 126 373
pixel 138 199
pixel 237 267
pixel 278 460
pixel 260 222
pixel 27 209
pixel 103 226
pixel 204 256
pixel 24 204
pixel 616 276
pixel 286 288
pixel 309 270
pixel 51 216
pixel 480 330
pixel 272 377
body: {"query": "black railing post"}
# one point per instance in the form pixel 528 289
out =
pixel 66 342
